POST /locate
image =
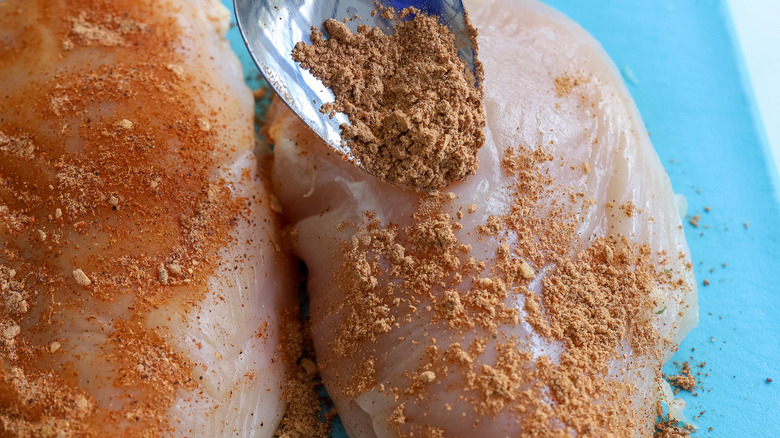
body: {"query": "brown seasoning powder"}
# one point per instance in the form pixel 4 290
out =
pixel 416 117
pixel 420 274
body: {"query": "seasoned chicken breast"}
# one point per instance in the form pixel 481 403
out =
pixel 143 285
pixel 540 297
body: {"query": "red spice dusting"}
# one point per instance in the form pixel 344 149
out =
pixel 111 206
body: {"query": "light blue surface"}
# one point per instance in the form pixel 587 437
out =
pixel 759 37
pixel 686 76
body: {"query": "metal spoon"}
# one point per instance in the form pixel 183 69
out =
pixel 271 28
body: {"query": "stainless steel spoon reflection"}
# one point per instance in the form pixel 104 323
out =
pixel 271 28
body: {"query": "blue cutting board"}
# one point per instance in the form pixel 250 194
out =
pixel 683 67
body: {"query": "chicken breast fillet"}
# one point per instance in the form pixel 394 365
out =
pixel 539 298
pixel 142 283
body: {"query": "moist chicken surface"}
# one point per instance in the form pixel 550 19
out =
pixel 540 297
pixel 143 282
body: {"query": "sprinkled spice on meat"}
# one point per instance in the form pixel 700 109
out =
pixel 122 195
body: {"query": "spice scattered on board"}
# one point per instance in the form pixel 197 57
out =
pixel 667 428
pixel 685 380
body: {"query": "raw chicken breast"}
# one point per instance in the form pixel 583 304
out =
pixel 142 282
pixel 540 297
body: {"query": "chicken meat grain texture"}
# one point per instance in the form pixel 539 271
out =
pixel 142 278
pixel 540 297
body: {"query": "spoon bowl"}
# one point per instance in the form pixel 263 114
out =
pixel 271 28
